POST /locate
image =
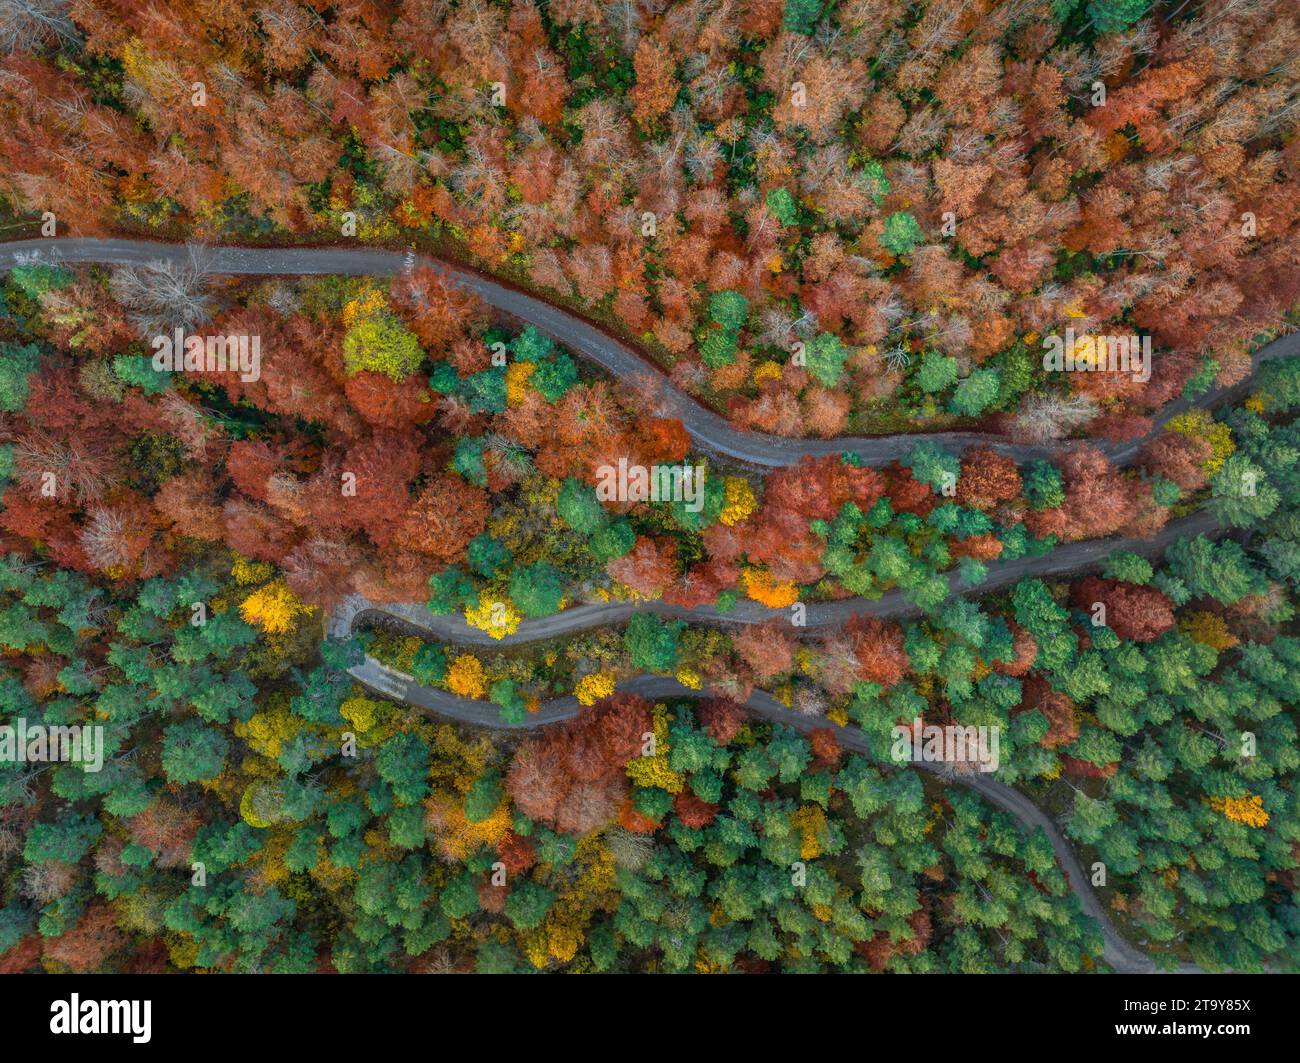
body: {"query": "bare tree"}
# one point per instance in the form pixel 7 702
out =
pixel 1046 417
pixel 26 25
pixel 165 295
pixel 78 472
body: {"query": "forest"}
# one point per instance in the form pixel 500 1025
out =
pixel 385 679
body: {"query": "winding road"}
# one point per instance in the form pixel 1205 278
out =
pixel 1117 952
pixel 1063 560
pixel 709 430
pixel 711 433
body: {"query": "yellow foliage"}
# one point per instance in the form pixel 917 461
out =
pixel 517 381
pixel 1208 629
pixel 274 608
pixel 457 762
pixel 592 688
pixel 457 836
pixel 361 712
pixel 498 617
pixel 768 370
pixel 553 940
pixel 369 302
pixel 247 571
pixel 466 677
pixel 600 872
pixel 247 812
pixel 1199 424
pixel 803 659
pixel 182 950
pixel 272 869
pixel 654 771
pixel 1255 404
pixel 593 889
pixel 738 501
pixel 266 731
pixel 1248 810
pixel 760 586
pixel 810 821
pixel 690 679
pixel 330 876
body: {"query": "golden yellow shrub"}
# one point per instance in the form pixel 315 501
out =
pixel 592 688
pixel 760 586
pixel 466 677
pixel 738 501
pixel 1248 810
pixel 497 616
pixel 274 608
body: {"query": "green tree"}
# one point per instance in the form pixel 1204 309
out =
pixel 826 357
pixel 537 589
pixel 652 643
pixel 936 373
pixel 193 752
pixel 976 393
pixel 379 343
pixel 902 233
pixel 17 363
pixel 1112 16
pixel 579 508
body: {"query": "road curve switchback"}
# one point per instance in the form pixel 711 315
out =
pixel 712 434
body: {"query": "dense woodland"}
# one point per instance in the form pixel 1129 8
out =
pixel 819 219
pixel 915 192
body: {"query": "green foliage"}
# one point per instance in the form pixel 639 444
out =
pixel 652 643
pixel 826 357
pixel 1242 493
pixel 729 310
pixel 379 343
pixel 1131 568
pixel 528 904
pixel 976 393
pixel 579 508
pixel 1043 485
pixel 937 372
pixel 136 370
pixel 537 589
pixel 902 233
pixel 17 363
pixel 1112 16
pixel 1219 570
pixel 484 796
pixel 451 591
pixel 801 16
pixel 488 556
pixel 781 203
pixel 531 345
pixel 193 752
pixel 554 377
pixel 933 465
